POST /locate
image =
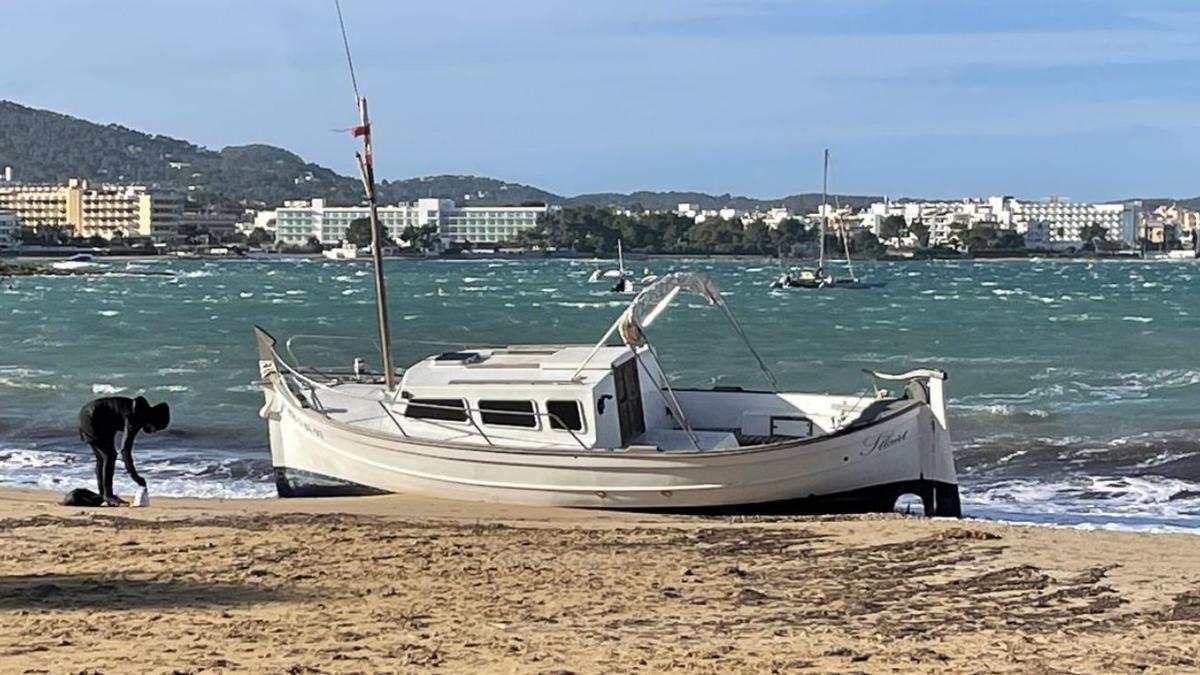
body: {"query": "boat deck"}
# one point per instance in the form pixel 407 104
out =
pixel 362 405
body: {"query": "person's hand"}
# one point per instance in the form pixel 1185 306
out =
pixel 115 501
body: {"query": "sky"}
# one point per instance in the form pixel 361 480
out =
pixel 1081 99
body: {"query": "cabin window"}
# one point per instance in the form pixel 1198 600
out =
pixel 565 415
pixel 450 409
pixel 508 413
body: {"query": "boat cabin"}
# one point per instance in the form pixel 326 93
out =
pixel 529 394
pixel 539 396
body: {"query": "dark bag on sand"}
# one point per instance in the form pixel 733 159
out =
pixel 82 497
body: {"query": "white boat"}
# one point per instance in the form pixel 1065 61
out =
pixel 1178 254
pixel 621 278
pixel 599 275
pixel 79 261
pixel 601 427
pixel 343 252
pixel 597 426
pixel 819 277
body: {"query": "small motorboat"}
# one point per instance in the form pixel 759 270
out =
pixel 79 261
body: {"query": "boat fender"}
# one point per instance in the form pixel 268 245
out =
pixel 271 408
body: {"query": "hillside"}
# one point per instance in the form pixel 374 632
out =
pixel 804 203
pixel 46 146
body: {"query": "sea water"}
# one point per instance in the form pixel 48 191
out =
pixel 1074 386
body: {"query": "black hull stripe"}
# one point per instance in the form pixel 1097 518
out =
pixel 939 498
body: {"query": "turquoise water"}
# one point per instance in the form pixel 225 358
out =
pixel 1073 385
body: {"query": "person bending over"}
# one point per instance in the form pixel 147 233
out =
pixel 99 422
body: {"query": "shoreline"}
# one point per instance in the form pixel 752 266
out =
pixel 632 257
pixel 398 583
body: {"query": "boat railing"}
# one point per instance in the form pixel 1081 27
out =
pixel 309 337
pixel 467 410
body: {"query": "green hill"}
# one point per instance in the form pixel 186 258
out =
pixel 46 146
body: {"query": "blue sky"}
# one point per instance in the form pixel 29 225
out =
pixel 1085 99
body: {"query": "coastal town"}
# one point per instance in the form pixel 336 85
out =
pixel 111 217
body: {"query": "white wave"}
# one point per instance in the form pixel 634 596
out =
pixel 1139 319
pixel 1164 457
pixel 1142 503
pixel 245 294
pixel 103 388
pixel 167 475
pixel 108 312
pixel 1002 409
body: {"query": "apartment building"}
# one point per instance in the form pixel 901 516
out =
pixel 10 229
pixel 298 221
pixel 1047 224
pixel 105 210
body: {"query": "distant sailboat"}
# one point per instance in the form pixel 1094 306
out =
pixel 622 279
pixel 623 284
pixel 808 277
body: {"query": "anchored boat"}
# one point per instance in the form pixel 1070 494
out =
pixel 819 277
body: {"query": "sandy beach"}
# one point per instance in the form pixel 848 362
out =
pixel 396 584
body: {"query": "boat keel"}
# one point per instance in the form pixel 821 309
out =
pixel 297 483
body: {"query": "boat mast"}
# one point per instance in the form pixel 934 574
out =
pixel 620 259
pixel 824 209
pixel 366 167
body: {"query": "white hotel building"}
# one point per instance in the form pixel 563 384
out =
pixel 298 221
pixel 1049 224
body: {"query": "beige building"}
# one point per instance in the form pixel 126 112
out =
pixel 104 211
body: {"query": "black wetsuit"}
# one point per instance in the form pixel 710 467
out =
pixel 99 422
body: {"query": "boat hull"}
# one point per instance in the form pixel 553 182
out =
pixel 859 469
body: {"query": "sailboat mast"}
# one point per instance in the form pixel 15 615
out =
pixel 824 207
pixel 367 168
pixel 620 258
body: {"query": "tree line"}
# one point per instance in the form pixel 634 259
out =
pixel 596 231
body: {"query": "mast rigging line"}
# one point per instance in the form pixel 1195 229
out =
pixel 346 45
pixel 367 169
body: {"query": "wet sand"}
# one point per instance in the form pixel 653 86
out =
pixel 396 584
